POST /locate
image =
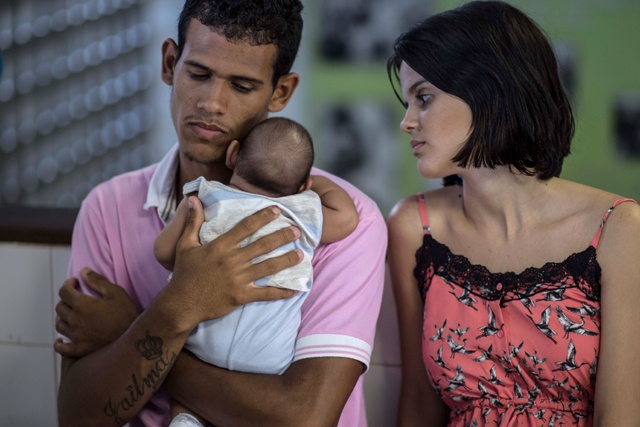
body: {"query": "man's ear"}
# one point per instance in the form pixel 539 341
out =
pixel 169 59
pixel 232 154
pixel 285 87
pixel 306 185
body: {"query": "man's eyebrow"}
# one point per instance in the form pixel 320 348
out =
pixel 198 65
pixel 203 67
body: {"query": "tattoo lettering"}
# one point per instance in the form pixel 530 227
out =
pixel 150 348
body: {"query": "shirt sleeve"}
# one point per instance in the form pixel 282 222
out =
pixel 339 316
pixel 90 244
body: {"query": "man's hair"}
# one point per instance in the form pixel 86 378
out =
pixel 497 60
pixel 258 22
pixel 277 156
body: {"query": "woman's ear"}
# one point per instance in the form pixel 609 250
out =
pixel 285 87
pixel 169 59
pixel 232 154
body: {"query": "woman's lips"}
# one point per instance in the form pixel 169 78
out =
pixel 416 145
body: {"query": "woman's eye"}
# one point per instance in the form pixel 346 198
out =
pixel 424 98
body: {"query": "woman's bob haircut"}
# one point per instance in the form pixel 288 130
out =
pixel 497 60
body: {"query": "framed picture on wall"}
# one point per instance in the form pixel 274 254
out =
pixel 363 31
pixel 626 123
pixel 357 142
pixel 567 58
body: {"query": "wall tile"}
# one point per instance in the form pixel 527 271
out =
pixel 382 391
pixel 59 263
pixel 386 348
pixel 26 306
pixel 27 394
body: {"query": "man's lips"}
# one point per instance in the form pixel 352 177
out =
pixel 205 130
pixel 416 145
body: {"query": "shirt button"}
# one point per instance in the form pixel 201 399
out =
pixel 500 334
pixel 499 287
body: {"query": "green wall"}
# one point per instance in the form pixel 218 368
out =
pixel 605 35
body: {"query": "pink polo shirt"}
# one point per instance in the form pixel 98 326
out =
pixel 114 235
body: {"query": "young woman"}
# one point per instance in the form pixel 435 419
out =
pixel 516 290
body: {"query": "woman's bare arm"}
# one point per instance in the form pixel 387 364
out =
pixel 418 400
pixel 618 375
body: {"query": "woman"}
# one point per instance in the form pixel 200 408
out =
pixel 516 290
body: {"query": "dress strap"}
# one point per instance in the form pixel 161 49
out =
pixel 423 213
pixel 596 238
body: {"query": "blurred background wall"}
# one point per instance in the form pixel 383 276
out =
pixel 596 42
pixel 81 97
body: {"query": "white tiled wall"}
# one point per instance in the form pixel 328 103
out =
pixel 29 368
pixel 31 275
pixel 382 382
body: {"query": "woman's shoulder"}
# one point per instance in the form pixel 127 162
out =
pixel 410 216
pixel 590 200
pixel 404 211
pixel 592 206
pixel 436 199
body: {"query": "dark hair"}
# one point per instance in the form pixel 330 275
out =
pixel 497 60
pixel 277 156
pixel 259 22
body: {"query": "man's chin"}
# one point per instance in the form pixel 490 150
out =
pixel 201 158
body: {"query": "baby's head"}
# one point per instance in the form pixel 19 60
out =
pixel 275 157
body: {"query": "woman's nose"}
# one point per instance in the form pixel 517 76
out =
pixel 408 122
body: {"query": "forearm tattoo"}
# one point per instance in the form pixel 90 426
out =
pixel 151 348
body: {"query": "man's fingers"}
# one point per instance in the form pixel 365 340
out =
pixel 195 219
pixel 272 241
pixel 68 349
pixel 63 310
pixel 69 290
pixel 273 265
pixel 62 327
pixel 96 281
pixel 269 293
pixel 251 224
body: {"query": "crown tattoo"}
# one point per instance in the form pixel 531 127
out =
pixel 150 347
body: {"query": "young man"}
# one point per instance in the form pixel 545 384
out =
pixel 229 69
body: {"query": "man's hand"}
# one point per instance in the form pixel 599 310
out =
pixel 91 322
pixel 216 278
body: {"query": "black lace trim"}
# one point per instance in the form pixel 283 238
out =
pixel 580 270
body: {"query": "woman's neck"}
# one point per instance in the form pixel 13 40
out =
pixel 504 203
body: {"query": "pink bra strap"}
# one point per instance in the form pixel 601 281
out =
pixel 423 213
pixel 596 238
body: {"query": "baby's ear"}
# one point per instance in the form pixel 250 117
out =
pixel 306 185
pixel 232 154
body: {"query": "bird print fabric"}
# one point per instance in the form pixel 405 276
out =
pixel 507 349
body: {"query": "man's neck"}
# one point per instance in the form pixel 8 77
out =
pixel 188 171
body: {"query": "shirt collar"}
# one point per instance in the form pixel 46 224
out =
pixel 162 189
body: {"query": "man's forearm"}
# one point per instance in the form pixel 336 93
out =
pixel 111 385
pixel 311 392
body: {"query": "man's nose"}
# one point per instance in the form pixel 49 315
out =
pixel 214 99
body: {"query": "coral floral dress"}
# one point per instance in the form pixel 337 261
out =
pixel 505 349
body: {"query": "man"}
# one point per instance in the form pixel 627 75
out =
pixel 228 70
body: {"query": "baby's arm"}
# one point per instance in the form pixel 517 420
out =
pixel 164 247
pixel 340 216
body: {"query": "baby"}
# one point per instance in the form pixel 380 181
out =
pixel 271 167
